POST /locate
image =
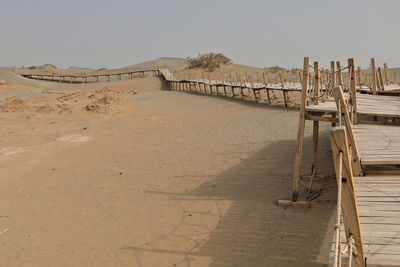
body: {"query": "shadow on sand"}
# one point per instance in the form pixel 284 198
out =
pixel 254 231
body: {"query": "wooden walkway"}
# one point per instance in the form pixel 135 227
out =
pixel 88 78
pixel 369 105
pixel 366 155
pixel 379 211
pixel 378 145
pixel 390 89
pixel 257 91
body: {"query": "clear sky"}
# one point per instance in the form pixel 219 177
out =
pixel 117 33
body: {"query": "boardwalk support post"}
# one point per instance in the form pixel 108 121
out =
pixel 386 73
pixel 300 130
pixel 353 89
pixel 374 80
pixel 317 88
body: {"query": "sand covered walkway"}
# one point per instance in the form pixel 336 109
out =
pixel 174 179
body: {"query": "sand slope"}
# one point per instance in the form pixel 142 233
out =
pixel 11 76
pixel 174 179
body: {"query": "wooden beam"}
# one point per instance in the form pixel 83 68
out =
pixel 349 204
pixel 386 73
pixel 339 74
pixel 321 118
pixel 373 73
pixel 380 78
pixel 333 74
pixel 353 89
pixel 345 118
pixel 300 129
pixel 282 78
pixel 359 76
pixel 317 88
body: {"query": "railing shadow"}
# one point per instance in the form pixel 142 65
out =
pixel 254 231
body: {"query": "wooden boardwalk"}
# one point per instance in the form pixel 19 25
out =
pixel 258 91
pixel 87 78
pixel 369 105
pixel 378 145
pixel 366 155
pixel 379 210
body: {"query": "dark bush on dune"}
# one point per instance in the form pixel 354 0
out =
pixel 274 69
pixel 50 66
pixel 209 61
pixel 45 66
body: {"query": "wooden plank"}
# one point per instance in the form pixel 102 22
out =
pixel 378 202
pixel 386 74
pixel 339 145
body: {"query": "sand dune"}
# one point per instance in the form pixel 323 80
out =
pixel 172 179
pixel 126 173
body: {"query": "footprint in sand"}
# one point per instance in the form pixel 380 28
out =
pixel 74 138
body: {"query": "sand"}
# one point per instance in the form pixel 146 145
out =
pixel 161 179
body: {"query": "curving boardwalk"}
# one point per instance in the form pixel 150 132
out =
pixel 256 91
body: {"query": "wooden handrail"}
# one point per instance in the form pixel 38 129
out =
pixel 344 174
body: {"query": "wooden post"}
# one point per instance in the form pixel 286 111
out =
pixel 359 76
pixel 373 73
pixel 349 204
pixel 231 83
pixel 282 78
pixel 380 78
pixel 339 75
pixel 300 77
pixel 353 90
pixel 241 86
pixel 265 81
pixel 333 75
pixel 266 78
pixel 386 73
pixel 300 130
pixel 317 88
pixel 209 84
pixel 248 83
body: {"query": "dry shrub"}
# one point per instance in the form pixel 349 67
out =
pixel 209 61
pixel 295 70
pixel 274 69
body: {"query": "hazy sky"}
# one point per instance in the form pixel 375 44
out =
pixel 116 33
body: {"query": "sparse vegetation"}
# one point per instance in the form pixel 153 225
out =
pixel 274 69
pixel 50 66
pixel 295 70
pixel 209 61
pixel 45 66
